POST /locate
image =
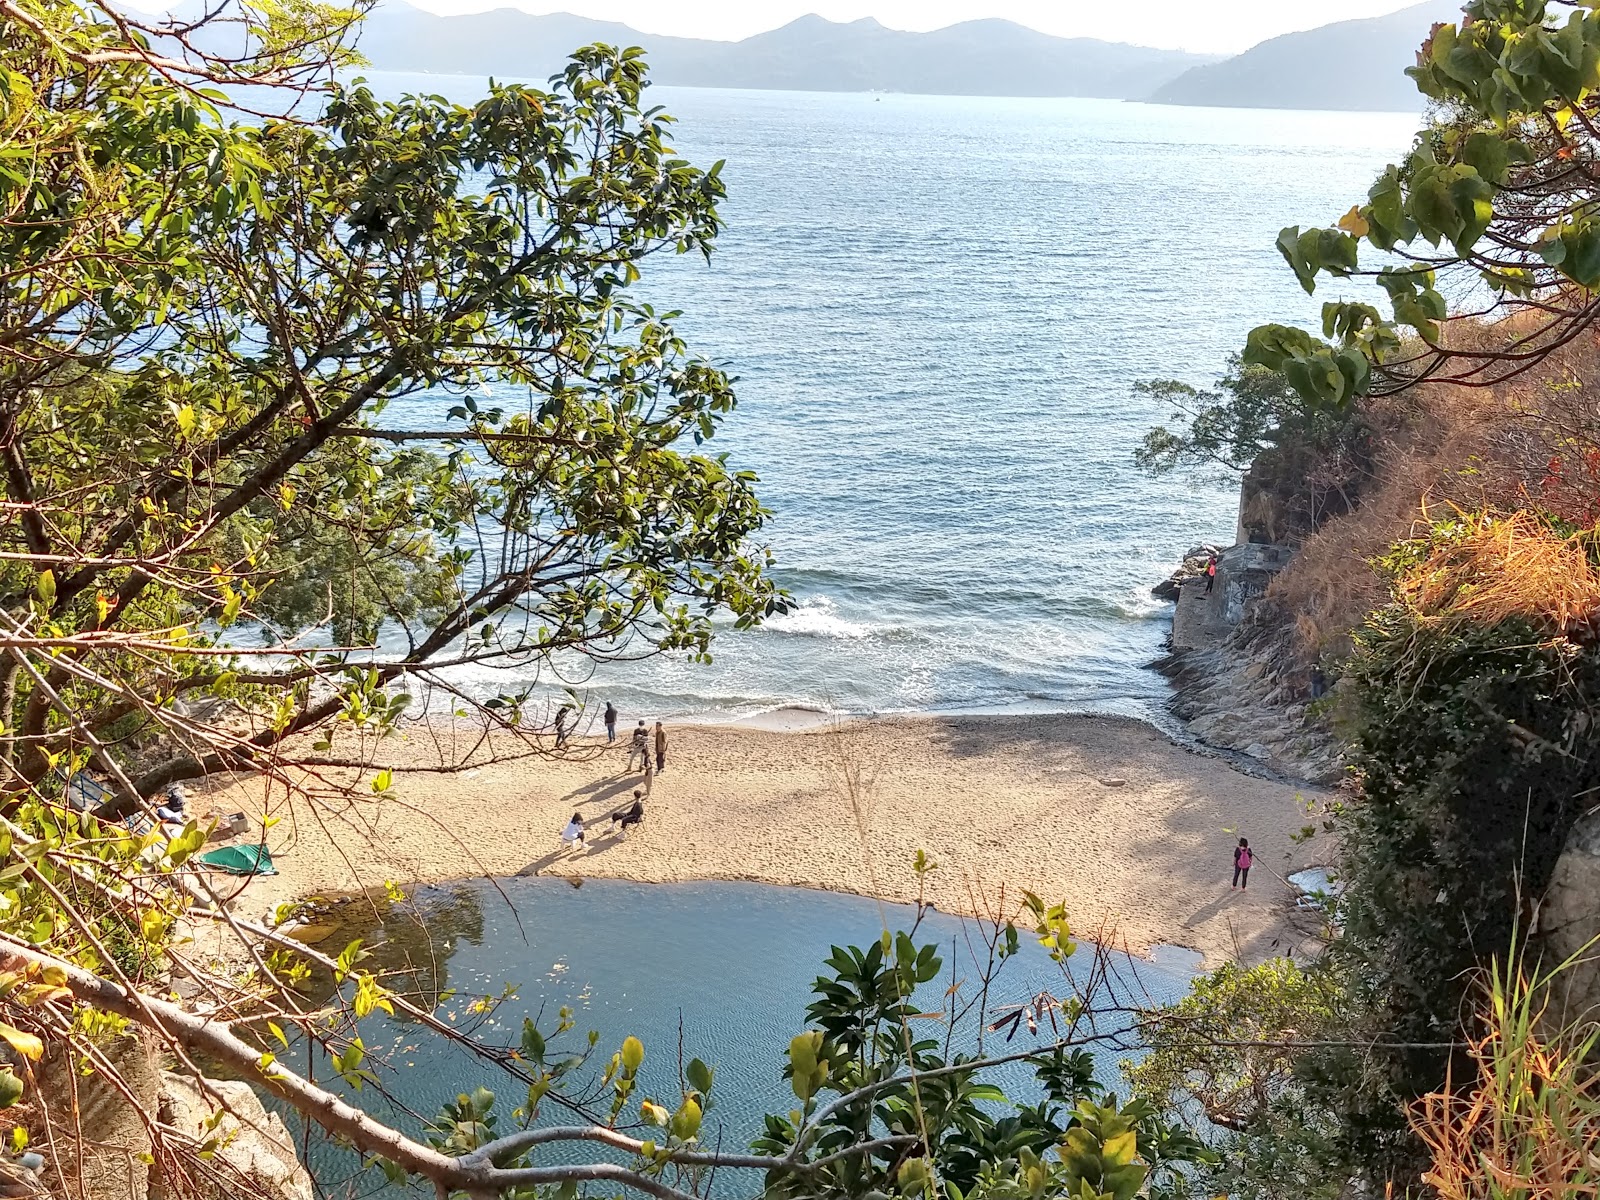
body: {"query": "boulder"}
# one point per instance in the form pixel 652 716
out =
pixel 1568 919
pixel 253 1144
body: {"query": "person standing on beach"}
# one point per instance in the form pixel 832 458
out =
pixel 563 722
pixel 649 773
pixel 661 748
pixel 611 722
pixel 1242 859
pixel 640 745
pixel 1211 572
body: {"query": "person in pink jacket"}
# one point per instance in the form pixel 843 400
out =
pixel 1242 859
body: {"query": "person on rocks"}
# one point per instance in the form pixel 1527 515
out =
pixel 611 722
pixel 661 748
pixel 1242 858
pixel 1211 572
pixel 640 746
pixel 1319 682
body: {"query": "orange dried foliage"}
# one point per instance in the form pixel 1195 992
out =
pixel 1527 1125
pixel 1507 566
pixel 1530 442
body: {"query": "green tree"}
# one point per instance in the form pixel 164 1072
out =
pixel 1498 192
pixel 217 557
pixel 1309 458
pixel 192 421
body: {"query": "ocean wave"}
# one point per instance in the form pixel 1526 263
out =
pixel 818 617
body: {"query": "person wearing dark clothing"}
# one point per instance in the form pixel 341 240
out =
pixel 611 721
pixel 1242 859
pixel 661 748
pixel 1211 572
pixel 632 815
pixel 172 810
pixel 1319 683
pixel 640 745
pixel 564 723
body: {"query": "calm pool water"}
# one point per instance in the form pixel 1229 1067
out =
pixel 727 965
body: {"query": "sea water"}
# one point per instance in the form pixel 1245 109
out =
pixel 719 971
pixel 937 309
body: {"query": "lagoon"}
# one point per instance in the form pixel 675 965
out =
pixel 728 966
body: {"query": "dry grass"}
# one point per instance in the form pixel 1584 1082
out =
pixel 1530 442
pixel 1507 566
pixel 1528 1126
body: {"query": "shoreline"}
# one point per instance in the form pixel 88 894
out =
pixel 1131 829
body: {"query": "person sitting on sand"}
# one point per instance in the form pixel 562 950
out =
pixel 572 835
pixel 632 815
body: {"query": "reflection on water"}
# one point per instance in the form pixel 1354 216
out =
pixel 722 970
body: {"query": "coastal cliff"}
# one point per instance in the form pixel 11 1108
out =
pixel 1241 684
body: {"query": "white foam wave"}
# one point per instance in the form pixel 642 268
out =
pixel 818 617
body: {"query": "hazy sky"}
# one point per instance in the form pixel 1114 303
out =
pixel 1217 26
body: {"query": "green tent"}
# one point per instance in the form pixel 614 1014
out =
pixel 240 860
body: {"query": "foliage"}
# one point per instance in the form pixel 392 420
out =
pixel 888 1083
pixel 1234 1053
pixel 1310 458
pixel 1251 411
pixel 1525 1125
pixel 218 556
pixel 1471 739
pixel 190 409
pixel 1499 190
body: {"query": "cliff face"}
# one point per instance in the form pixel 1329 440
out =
pixel 1243 684
pixel 1240 685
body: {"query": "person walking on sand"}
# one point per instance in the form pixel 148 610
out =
pixel 640 746
pixel 661 748
pixel 1242 859
pixel 1211 572
pixel 611 722
pixel 563 724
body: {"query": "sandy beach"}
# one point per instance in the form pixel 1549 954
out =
pixel 1016 801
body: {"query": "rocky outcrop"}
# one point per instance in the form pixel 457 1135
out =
pixel 1192 567
pixel 1206 617
pixel 1568 919
pixel 96 1144
pixel 1240 685
pixel 254 1152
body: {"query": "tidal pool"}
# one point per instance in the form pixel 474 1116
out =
pixel 723 970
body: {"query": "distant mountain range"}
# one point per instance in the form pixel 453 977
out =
pixel 976 58
pixel 1351 65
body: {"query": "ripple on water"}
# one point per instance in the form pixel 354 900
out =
pixel 729 965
